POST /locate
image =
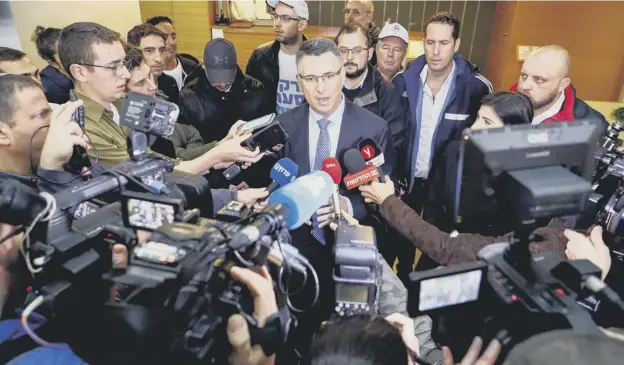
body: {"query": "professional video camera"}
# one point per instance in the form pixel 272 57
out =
pixel 177 289
pixel 510 294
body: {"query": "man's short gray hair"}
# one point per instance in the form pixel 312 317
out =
pixel 316 47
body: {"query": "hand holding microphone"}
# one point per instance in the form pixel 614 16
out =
pixel 377 192
pixel 332 212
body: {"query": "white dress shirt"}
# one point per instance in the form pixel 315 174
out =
pixel 554 109
pixel 429 118
pixel 334 134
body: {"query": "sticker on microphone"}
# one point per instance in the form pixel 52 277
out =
pixel 377 161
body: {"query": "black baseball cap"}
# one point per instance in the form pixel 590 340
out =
pixel 220 60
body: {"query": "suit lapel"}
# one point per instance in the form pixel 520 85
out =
pixel 300 144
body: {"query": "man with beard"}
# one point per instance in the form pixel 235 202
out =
pixel 361 12
pixel 391 50
pixel 545 79
pixel 364 86
pixel 178 66
pixel 151 42
pixel 274 63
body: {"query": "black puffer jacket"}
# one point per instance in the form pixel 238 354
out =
pixel 264 65
pixel 214 112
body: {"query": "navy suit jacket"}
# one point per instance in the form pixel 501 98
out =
pixel 357 124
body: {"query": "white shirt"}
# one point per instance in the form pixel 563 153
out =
pixel 554 109
pixel 289 95
pixel 116 117
pixel 177 74
pixel 334 134
pixel 359 85
pixel 429 118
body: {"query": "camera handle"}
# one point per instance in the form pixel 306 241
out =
pixel 137 145
pixel 517 254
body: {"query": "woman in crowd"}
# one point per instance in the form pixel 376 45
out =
pixel 497 110
pixel 55 83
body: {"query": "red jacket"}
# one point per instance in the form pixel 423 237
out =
pixel 572 109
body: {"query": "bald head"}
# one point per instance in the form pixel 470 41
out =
pixel 359 11
pixel 544 77
pixel 555 57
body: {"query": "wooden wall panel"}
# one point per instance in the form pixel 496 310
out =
pixel 590 31
pixel 193 20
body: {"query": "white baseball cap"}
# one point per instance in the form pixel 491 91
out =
pixel 300 7
pixel 394 30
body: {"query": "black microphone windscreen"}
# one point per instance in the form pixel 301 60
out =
pixel 353 161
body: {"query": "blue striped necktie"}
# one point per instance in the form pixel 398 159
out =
pixel 323 148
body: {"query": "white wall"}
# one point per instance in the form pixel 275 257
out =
pixel 120 16
pixel 8 31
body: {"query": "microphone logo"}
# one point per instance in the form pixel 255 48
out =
pixel 279 168
pixel 367 152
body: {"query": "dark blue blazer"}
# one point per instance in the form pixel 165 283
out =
pixel 357 124
pixel 467 89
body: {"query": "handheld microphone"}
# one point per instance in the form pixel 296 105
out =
pixel 332 167
pixel 372 153
pixel 292 204
pixel 359 172
pixel 283 172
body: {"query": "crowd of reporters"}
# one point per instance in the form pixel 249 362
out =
pixel 415 114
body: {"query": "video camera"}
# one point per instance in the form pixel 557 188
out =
pixel 510 294
pixel 176 293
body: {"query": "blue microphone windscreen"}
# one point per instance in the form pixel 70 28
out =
pixel 284 171
pixel 303 197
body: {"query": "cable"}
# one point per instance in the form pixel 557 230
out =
pixel 43 216
pixel 24 320
pixel 316 294
pixel 81 174
pixel 602 291
pixel 12 234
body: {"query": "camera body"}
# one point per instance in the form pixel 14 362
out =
pixel 149 115
pixel 355 270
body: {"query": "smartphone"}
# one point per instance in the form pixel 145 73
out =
pixel 256 123
pixel 271 138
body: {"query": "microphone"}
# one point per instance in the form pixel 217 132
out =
pixel 283 172
pixel 291 205
pixel 359 172
pixel 372 153
pixel 332 167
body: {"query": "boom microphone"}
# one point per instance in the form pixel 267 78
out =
pixel 332 167
pixel 283 172
pixel 292 204
pixel 359 173
pixel 372 153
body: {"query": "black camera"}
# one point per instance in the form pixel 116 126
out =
pixel 511 294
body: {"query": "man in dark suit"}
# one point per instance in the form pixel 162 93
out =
pixel 327 125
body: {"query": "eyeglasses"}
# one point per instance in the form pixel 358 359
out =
pixel 354 51
pixel 328 77
pixel 355 12
pixel 283 18
pixel 117 69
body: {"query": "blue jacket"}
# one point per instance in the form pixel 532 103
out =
pixel 467 88
pixel 56 85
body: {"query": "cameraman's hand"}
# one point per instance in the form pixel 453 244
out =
pixel 376 192
pixel 250 196
pixel 472 356
pixel 406 327
pixel 350 221
pixel 591 248
pixel 325 214
pixel 61 138
pixel 261 288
